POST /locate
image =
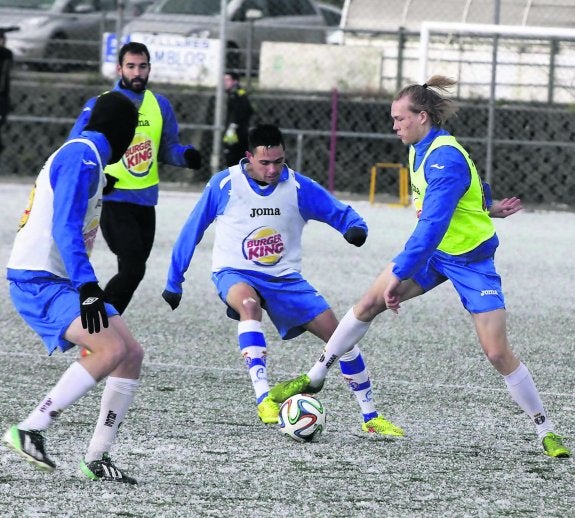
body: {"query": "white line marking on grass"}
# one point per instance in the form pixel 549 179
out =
pixel 285 374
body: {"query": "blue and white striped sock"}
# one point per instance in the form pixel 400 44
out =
pixel 253 348
pixel 356 376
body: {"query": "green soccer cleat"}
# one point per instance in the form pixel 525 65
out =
pixel 268 411
pixel 286 389
pixel 29 444
pixel 554 447
pixel 105 469
pixel 379 425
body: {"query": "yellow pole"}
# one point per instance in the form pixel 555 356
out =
pixel 404 186
pixel 403 181
pixel 372 184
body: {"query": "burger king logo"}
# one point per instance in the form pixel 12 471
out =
pixel 264 246
pixel 139 157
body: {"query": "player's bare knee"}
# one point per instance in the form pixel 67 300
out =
pixel 368 308
pixel 134 353
pixel 108 355
pixel 252 307
pixel 500 360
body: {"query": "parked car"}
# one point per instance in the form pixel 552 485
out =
pixel 250 22
pixel 57 33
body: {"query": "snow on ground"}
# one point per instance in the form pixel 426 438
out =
pixel 193 439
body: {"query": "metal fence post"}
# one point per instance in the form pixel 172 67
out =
pixel 219 108
pixel 400 48
pixel 492 93
pixel 332 140
pixel 553 50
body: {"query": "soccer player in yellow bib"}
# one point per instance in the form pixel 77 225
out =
pixel 128 215
pixel 455 240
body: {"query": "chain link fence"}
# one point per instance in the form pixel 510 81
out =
pixel 333 100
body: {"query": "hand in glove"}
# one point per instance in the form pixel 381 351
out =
pixel 173 299
pixel 193 158
pixel 356 236
pixel 110 182
pixel 92 307
pixel 231 135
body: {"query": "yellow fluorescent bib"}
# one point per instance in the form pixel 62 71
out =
pixel 470 224
pixel 138 168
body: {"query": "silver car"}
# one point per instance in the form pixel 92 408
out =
pixel 59 33
pixel 250 22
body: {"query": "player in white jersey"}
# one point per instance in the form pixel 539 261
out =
pixel 260 208
pixel 54 288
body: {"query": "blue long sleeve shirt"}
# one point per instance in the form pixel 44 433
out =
pixel 170 150
pixel 448 177
pixel 314 203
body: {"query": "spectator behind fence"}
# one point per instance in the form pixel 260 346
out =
pixel 129 215
pixel 238 115
pixel 454 240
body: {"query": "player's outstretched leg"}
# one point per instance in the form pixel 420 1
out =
pixel 105 469
pixel 29 444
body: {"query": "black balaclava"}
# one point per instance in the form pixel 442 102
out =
pixel 116 117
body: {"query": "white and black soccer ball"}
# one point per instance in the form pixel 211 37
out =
pixel 302 417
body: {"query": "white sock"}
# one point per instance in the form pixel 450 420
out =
pixel 116 399
pixel 74 383
pixel 355 374
pixel 253 348
pixel 348 333
pixel 524 392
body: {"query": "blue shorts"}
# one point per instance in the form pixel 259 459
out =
pixel 477 282
pixel 291 301
pixel 49 307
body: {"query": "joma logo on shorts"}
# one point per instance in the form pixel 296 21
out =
pixel 265 212
pixel 488 292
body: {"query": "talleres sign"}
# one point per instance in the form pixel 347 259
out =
pixel 175 59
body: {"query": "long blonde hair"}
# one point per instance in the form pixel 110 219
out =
pixel 424 98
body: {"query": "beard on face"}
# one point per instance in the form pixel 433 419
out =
pixel 138 84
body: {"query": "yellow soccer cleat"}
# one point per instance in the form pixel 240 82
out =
pixel 379 425
pixel 268 411
pixel 554 447
pixel 286 389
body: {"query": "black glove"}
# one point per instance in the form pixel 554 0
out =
pixel 173 299
pixel 110 182
pixel 92 307
pixel 193 158
pixel 355 236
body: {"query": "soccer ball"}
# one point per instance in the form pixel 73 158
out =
pixel 302 417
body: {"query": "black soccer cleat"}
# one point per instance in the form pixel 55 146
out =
pixel 29 444
pixel 105 470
